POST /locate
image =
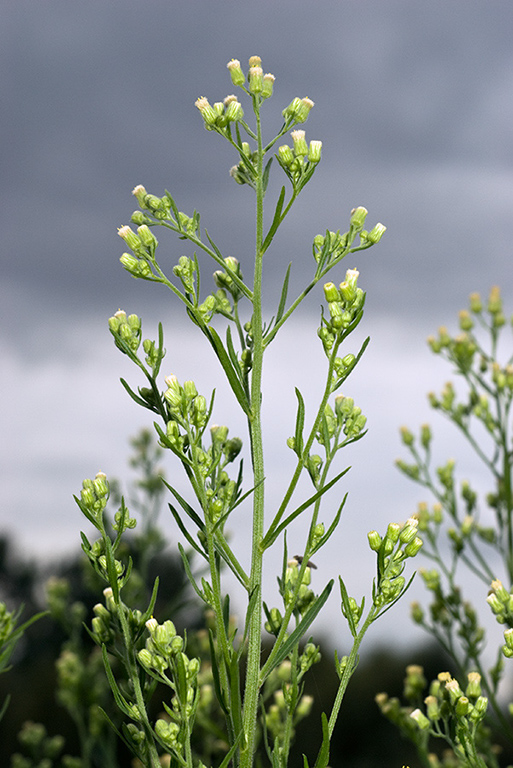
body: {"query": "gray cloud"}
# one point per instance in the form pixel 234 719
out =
pixel 414 108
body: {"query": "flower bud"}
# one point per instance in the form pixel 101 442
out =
pixel 476 305
pixel 314 151
pixel 420 719
pixel 256 79
pixel 300 145
pixel 303 109
pixel 236 73
pixel 376 233
pixel 358 217
pixel 207 113
pixel 268 85
pixel 331 292
pixel 234 111
pixel 285 155
pixel 374 540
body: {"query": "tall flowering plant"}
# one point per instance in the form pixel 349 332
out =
pixel 258 698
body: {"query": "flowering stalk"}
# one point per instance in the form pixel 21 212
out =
pixel 452 528
pixel 269 704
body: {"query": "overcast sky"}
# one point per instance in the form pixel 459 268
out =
pixel 414 106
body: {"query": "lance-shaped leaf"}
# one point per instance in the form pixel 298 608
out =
pixel 276 527
pixel 275 222
pixel 322 541
pixel 299 631
pixel 232 374
pixel 300 423
pixel 324 752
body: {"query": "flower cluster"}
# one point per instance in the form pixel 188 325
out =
pixel 143 245
pixel 164 659
pixel 126 330
pixel 338 428
pixel 393 549
pixel 501 603
pixel 447 702
pixel 299 161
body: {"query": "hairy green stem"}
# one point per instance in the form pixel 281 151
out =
pixel 251 693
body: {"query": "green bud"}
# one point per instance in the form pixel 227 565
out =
pixel 236 73
pixel 314 152
pixel 140 194
pixel 130 238
pixel 495 301
pixel 285 156
pixel 256 79
pixel 167 733
pixel 232 448
pixel 303 109
pixel 292 110
pixel 420 719
pixel 331 293
pixel 413 547
pixel 406 436
pixel 417 613
pixel 374 540
pixel 473 690
pixel 476 305
pixel 432 708
pixel 480 707
pixel 300 145
pixel 425 436
pixel 208 114
pixel 174 394
pixel 358 216
pixel 199 411
pixel 147 238
pixel 409 530
pixel 234 111
pixel 376 233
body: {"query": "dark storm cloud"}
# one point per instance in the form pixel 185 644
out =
pixel 98 97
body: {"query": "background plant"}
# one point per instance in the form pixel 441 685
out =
pixel 466 532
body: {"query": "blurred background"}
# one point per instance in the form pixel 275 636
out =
pixel 414 106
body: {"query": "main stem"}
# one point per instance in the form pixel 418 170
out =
pixel 251 693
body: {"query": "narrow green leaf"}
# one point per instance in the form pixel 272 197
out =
pixel 161 352
pixel 172 204
pixel 227 760
pixel 283 297
pixel 275 222
pixel 187 567
pixel 118 697
pixel 136 398
pixel 300 423
pixel 231 351
pixel 302 627
pixel 215 676
pixel 347 608
pixel 231 373
pixel 324 752
pixel 265 175
pixel 276 527
pixel 322 541
pixel 189 511
pixel 151 605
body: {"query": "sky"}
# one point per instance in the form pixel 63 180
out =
pixel 414 106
